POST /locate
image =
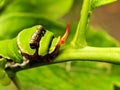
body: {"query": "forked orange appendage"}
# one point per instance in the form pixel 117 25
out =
pixel 64 37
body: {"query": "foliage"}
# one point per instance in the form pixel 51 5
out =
pixel 19 14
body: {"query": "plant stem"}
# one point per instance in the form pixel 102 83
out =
pixel 79 39
pixel 111 55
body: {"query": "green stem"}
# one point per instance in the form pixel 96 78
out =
pixel 111 55
pixel 79 39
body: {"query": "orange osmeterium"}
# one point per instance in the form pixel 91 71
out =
pixel 64 37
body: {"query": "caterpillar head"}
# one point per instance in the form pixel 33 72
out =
pixel 38 44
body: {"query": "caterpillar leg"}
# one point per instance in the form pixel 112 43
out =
pixel 4 79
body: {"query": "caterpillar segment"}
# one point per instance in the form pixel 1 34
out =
pixel 41 45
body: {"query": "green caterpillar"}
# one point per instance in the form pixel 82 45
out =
pixel 32 45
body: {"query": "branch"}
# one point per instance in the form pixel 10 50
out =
pixel 111 55
pixel 79 39
pixel 99 54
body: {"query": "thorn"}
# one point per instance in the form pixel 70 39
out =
pixel 64 37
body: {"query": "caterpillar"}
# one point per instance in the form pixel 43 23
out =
pixel 32 45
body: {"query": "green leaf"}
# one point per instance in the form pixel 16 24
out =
pixel 50 8
pixel 20 21
pixel 69 76
pixel 100 38
pixel 2 2
pixel 98 3
pixel 27 13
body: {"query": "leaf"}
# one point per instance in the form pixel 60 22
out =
pixel 73 76
pixel 17 22
pixel 24 14
pixel 100 38
pixel 51 8
pixel 2 2
pixel 98 3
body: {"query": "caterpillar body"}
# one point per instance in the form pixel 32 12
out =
pixel 32 45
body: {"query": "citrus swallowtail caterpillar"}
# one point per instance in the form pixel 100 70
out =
pixel 32 45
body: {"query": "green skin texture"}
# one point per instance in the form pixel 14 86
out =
pixel 9 49
pixel 23 41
